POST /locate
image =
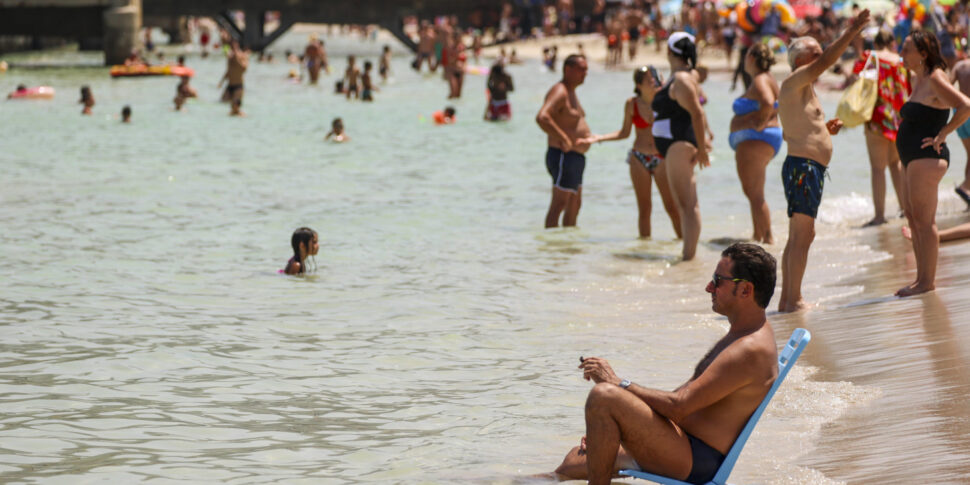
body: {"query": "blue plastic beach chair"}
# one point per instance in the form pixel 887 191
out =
pixel 786 359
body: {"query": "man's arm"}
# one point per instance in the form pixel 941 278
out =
pixel 808 73
pixel 734 368
pixel 545 120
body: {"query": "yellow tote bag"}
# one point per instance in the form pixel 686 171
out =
pixel 857 103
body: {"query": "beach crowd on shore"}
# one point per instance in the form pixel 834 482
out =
pixel 916 60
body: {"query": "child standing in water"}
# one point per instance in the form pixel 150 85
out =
pixel 305 243
pixel 87 99
pixel 183 92
pixel 384 68
pixel 337 131
pixel 365 79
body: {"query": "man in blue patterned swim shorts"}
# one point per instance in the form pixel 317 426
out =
pixel 809 139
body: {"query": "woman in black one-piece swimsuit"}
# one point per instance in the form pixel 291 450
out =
pixel 675 132
pixel 922 148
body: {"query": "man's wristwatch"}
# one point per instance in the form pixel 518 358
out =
pixel 625 383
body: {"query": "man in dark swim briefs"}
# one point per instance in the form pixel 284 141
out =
pixel 685 434
pixel 236 64
pixel 564 121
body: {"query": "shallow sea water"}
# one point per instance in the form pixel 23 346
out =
pixel 148 337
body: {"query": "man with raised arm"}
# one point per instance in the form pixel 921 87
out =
pixel 236 64
pixel 809 151
pixel 686 433
pixel 564 121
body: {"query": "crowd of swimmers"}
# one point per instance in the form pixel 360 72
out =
pixel 672 136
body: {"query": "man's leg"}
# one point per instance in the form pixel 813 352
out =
pixel 559 199
pixel 572 208
pixel 783 298
pixel 573 466
pixel 801 233
pixel 614 414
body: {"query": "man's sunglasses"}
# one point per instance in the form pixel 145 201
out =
pixel 718 278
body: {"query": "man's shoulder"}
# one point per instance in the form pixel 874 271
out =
pixel 962 68
pixel 757 346
pixel 558 88
pixel 791 88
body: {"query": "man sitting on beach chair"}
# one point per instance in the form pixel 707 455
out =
pixel 686 433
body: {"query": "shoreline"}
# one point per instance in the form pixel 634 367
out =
pixel 904 358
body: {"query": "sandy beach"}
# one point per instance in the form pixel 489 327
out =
pixel 913 352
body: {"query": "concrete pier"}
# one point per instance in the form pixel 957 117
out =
pixel 118 22
pixel 122 22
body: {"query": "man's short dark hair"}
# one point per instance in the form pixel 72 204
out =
pixel 753 263
pixel 572 60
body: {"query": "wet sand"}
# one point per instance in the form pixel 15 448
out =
pixel 910 352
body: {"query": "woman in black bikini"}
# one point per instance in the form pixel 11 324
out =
pixel 679 124
pixel 922 149
pixel 644 160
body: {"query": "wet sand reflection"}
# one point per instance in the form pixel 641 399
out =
pixel 910 350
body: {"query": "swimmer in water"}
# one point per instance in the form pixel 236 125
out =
pixel 384 68
pixel 87 99
pixel 367 83
pixel 21 89
pixel 337 133
pixel 445 117
pixel 237 62
pixel 351 75
pixel 183 92
pixel 499 85
pixel 305 243
pixel 126 114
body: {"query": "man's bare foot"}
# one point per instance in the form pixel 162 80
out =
pixel 907 233
pixel 876 221
pixel 914 289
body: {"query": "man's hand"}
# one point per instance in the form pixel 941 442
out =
pixel 860 20
pixel 567 145
pixel 598 370
pixel 582 144
pixel 834 125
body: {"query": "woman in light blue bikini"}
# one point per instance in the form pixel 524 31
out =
pixel 756 135
pixel 644 160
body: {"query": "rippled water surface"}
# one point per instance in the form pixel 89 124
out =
pixel 146 333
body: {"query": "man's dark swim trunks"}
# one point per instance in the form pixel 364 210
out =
pixel 706 461
pixel 566 169
pixel 803 182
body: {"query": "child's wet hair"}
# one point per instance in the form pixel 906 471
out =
pixel 304 236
